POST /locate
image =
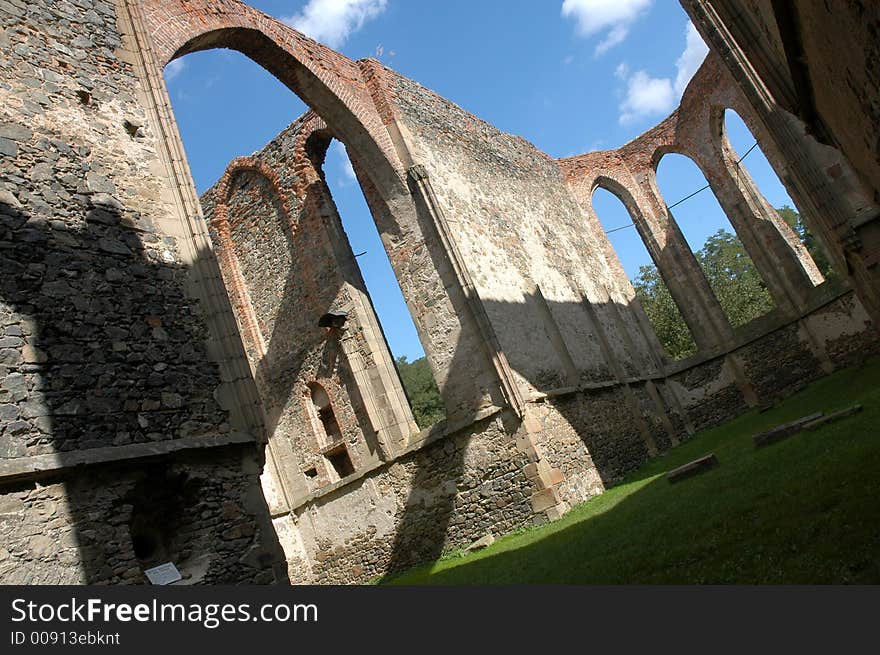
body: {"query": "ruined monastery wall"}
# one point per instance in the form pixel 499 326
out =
pixel 167 392
pixel 104 353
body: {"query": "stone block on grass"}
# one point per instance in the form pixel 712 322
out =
pixel 693 468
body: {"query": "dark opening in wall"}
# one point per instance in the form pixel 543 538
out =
pixel 331 433
pixel 340 461
pixel 133 128
pixel 311 473
pixel 331 427
pixel 159 504
pixel 146 541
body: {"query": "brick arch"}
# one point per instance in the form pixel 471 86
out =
pixel 621 191
pixel 663 149
pixel 309 151
pixel 220 221
pixel 233 277
pixel 330 83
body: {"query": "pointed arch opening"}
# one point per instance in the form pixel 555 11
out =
pixel 728 266
pixel 382 290
pixel 651 292
pixel 755 164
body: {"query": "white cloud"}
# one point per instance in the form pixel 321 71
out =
pixel 615 37
pixel 646 96
pixel 599 16
pixel 333 21
pixel 342 163
pixel 694 53
pixel 652 96
pixel 174 68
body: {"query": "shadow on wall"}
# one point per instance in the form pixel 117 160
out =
pixel 110 353
pixel 114 356
pixel 451 501
pixel 298 352
pixel 619 425
pixel 712 529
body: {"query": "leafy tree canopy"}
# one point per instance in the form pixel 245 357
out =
pixel 424 396
pixel 733 278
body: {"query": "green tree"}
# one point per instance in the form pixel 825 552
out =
pixel 734 280
pixel 663 313
pixel 424 396
pixel 794 220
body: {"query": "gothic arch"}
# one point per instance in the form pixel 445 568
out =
pixel 331 84
pixel 254 341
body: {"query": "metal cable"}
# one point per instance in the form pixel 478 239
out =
pixel 687 197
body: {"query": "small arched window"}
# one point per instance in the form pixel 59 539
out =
pixel 329 426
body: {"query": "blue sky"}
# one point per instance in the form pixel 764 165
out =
pixel 568 75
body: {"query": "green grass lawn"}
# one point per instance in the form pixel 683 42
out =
pixel 804 510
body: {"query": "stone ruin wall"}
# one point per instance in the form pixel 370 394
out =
pixel 287 262
pixel 143 368
pixel 450 487
pixel 104 354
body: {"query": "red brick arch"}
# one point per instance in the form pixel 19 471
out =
pixel 220 222
pixel 619 188
pixel 330 83
pixel 233 277
pixel 305 168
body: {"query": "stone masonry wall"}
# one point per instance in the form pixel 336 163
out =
pixel 295 264
pixel 102 347
pixel 203 512
pixel 437 497
pixel 525 243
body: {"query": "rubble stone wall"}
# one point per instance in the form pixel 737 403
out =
pixel 143 366
pixel 104 349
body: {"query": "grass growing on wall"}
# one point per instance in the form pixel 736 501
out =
pixel 804 510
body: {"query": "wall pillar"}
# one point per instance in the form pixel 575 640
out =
pixel 840 209
pixel 679 268
pixel 442 308
pixel 781 259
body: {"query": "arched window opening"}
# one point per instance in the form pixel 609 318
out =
pixel 730 271
pixel 329 433
pixel 650 289
pixel 753 160
pixel 333 449
pixel 396 324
